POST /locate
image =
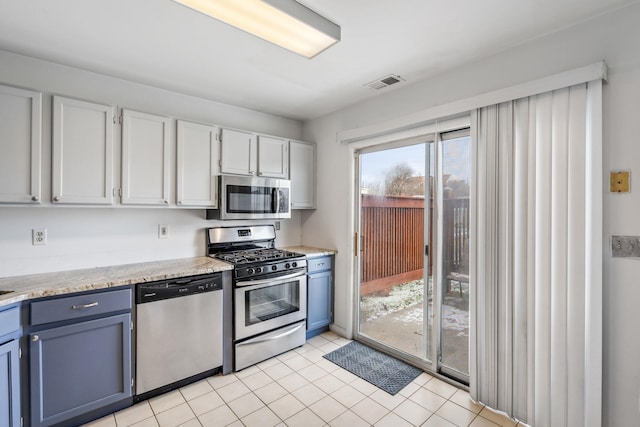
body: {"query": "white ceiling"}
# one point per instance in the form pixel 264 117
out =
pixel 162 43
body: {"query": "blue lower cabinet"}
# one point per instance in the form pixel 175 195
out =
pixel 79 368
pixel 9 384
pixel 319 295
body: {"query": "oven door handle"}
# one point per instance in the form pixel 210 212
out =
pixel 272 280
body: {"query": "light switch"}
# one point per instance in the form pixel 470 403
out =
pixel 625 246
pixel 619 182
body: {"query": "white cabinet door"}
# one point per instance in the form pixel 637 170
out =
pixel 20 145
pixel 238 152
pixel 198 165
pixel 302 165
pixel 82 152
pixel 273 157
pixel 145 159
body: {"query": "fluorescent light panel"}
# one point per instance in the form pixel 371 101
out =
pixel 286 23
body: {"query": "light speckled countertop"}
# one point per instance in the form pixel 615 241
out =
pixel 311 251
pixel 64 282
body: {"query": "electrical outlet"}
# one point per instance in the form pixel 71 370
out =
pixel 39 236
pixel 625 246
pixel 277 225
pixel 163 231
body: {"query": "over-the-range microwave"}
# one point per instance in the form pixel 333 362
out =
pixel 245 197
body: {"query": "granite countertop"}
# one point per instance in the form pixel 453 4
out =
pixel 311 251
pixel 64 282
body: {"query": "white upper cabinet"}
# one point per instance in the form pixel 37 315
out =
pixel 302 167
pixel 82 152
pixel 145 159
pixel 20 145
pixel 238 151
pixel 198 165
pixel 273 157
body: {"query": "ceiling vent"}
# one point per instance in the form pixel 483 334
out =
pixel 385 81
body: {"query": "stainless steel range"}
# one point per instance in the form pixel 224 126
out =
pixel 269 292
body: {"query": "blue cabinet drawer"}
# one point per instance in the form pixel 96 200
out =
pixel 9 321
pixel 78 306
pixel 319 264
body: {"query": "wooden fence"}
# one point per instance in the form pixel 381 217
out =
pixel 393 237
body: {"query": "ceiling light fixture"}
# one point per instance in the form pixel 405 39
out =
pixel 286 23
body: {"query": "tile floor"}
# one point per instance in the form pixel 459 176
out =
pixel 301 388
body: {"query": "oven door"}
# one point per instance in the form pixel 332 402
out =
pixel 264 305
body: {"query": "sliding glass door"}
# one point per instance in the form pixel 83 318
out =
pixel 413 292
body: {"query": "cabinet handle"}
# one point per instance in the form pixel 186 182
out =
pixel 56 199
pixel 35 198
pixel 83 306
pixel 35 338
pixel 166 202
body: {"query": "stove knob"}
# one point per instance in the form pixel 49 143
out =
pixel 294 264
pixel 258 269
pixel 274 267
pixel 249 270
pixel 287 265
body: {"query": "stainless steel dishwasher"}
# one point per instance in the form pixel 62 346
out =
pixel 179 331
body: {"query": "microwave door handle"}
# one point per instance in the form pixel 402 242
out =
pixel 275 200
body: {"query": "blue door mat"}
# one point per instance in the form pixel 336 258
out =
pixel 385 372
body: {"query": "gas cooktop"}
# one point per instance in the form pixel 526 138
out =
pixel 249 256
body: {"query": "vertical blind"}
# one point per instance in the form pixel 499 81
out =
pixel 537 301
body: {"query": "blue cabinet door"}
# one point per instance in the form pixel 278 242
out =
pixel 79 368
pixel 9 384
pixel 319 300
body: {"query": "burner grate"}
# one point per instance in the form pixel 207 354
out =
pixel 255 255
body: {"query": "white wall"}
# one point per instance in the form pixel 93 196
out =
pixel 614 38
pixel 81 237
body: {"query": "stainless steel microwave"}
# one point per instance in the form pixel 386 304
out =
pixel 245 197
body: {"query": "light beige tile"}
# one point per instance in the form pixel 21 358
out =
pixel 286 356
pixel 413 412
pixel 221 416
pixel 363 386
pixel 392 420
pixel 387 400
pixel 348 396
pixel 270 392
pixel 327 408
pixel 166 401
pixel 236 424
pixel 329 383
pixel 261 418
pixel 318 341
pixel 437 421
pixel 133 414
pixel 312 373
pixel 298 362
pixel 286 406
pixel 309 394
pixel 330 335
pixel 278 370
pixel 175 416
pixel 247 371
pixel 304 349
pixel 344 375
pixel 191 423
pixel 440 387
pixel 149 422
pixel 329 347
pixel 423 378
pixel 314 355
pixel 456 414
pixel 482 422
pixel 327 365
pixel 267 363
pixel 233 391
pixel 257 380
pixel 205 403
pixel 369 410
pixel 219 381
pixel 427 399
pixel 305 418
pixel 196 389
pixel 108 421
pixel 462 398
pixel 292 382
pixel 497 417
pixel 341 342
pixel 348 419
pixel 245 405
pixel 409 389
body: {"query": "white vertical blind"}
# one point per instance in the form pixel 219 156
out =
pixel 538 314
